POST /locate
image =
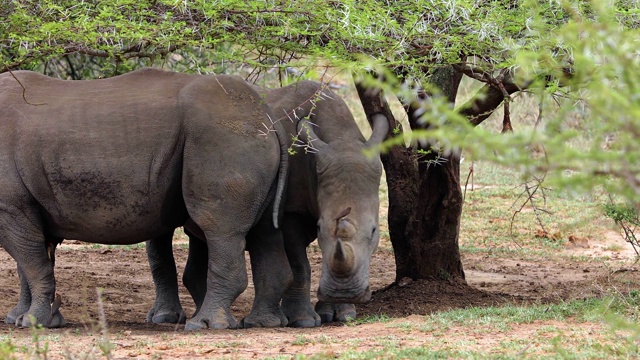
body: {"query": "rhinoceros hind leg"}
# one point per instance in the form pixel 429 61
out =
pixel 271 275
pixel 226 279
pixel 296 303
pixel 335 312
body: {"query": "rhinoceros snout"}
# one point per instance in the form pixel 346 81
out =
pixel 342 263
pixel 344 296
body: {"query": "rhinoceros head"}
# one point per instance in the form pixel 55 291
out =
pixel 348 204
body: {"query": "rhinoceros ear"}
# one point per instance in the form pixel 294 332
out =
pixel 380 129
pixel 308 137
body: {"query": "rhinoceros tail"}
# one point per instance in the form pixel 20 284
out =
pixel 283 172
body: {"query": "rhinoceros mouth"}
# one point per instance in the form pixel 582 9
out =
pixel 342 297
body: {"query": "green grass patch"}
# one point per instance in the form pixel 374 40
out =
pixel 378 318
pixel 514 314
pixel 501 213
pixel 613 331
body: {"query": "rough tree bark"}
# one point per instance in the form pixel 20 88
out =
pixel 434 227
pixel 425 198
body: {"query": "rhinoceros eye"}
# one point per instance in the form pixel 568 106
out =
pixel 375 228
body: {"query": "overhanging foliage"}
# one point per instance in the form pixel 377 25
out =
pixel 414 36
pixel 586 51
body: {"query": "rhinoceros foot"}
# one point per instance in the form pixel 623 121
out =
pixel 308 322
pixel 166 316
pixel 330 312
pixel 300 315
pixel 16 313
pixel 55 320
pixel 221 319
pixel 47 316
pixel 274 318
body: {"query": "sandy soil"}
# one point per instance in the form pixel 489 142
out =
pixel 123 275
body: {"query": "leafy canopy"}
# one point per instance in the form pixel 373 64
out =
pixel 567 52
pixel 413 36
pixel 588 127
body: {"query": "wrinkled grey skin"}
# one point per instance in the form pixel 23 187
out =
pixel 332 194
pixel 130 158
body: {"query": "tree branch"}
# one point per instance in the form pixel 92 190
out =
pixel 487 99
pixel 136 50
pixel 496 90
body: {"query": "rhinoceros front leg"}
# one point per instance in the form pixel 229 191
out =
pixel 166 308
pixel 271 276
pixel 16 314
pixel 25 242
pixel 296 303
pixel 24 301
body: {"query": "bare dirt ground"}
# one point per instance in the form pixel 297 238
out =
pixel 123 274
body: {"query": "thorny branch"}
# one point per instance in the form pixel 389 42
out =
pixel 24 90
pixel 531 191
pixel 308 144
pixel 292 115
pixel 257 11
pixel 628 219
pixel 466 183
pixel 138 50
pixel 298 141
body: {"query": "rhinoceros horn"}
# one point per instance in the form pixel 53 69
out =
pixel 343 259
pixel 345 229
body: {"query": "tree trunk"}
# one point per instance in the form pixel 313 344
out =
pixel 425 200
pixel 434 226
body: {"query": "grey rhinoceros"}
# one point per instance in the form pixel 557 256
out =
pixel 129 158
pixel 332 194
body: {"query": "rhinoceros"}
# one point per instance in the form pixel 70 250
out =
pixel 130 158
pixel 332 194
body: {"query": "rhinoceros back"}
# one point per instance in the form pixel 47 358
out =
pixel 103 159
